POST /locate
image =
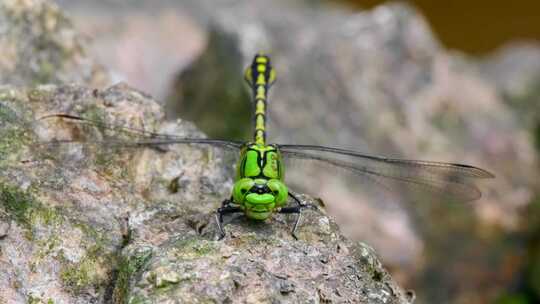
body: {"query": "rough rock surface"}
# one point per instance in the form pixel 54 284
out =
pixel 39 45
pixel 95 223
pixel 382 80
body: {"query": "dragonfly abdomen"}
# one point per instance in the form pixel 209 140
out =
pixel 260 76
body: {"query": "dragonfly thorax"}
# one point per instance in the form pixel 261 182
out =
pixel 260 161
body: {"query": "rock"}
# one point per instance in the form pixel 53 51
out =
pixel 515 72
pixel 4 229
pixel 95 223
pixel 39 45
pixel 146 51
pixel 376 81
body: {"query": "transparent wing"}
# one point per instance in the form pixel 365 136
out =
pixel 87 143
pixel 135 137
pixel 445 181
pixel 196 169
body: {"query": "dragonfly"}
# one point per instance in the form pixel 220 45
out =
pixel 259 188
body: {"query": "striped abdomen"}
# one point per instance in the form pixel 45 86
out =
pixel 260 76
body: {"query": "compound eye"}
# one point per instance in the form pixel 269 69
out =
pixel 241 188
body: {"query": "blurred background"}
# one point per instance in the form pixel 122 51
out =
pixel 455 81
pixel 477 27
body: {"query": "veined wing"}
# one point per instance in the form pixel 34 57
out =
pixel 142 137
pixel 443 180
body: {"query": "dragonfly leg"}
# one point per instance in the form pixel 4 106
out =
pixel 227 202
pixel 295 210
pixel 224 209
pixel 300 204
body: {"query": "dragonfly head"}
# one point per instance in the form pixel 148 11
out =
pixel 260 72
pixel 259 197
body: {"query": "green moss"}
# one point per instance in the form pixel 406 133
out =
pixel 17 203
pixel 139 300
pixel 13 133
pixel 7 115
pixel 90 272
pixel 194 248
pixel 37 300
pixel 11 141
pixel 38 95
pixel 22 207
pixel 90 232
pixel 46 247
pixel 104 160
pixel 46 216
pixel 96 115
pixel 127 268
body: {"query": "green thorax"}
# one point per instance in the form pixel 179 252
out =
pixel 259 161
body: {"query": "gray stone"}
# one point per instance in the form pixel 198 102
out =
pixel 93 222
pixel 39 44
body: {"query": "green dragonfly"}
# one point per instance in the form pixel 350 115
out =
pixel 260 190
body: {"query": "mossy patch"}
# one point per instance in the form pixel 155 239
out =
pixel 7 115
pixel 90 272
pixel 47 247
pixel 18 204
pixel 96 115
pixel 37 300
pixel 23 208
pixel 89 231
pixel 14 135
pixel 39 95
pixel 128 267
pixel 194 248
pixel 12 140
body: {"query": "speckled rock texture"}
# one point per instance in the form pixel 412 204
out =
pixel 39 44
pixel 377 81
pixel 86 222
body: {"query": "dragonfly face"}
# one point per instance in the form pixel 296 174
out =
pixel 259 187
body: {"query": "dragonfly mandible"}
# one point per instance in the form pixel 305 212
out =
pixel 260 190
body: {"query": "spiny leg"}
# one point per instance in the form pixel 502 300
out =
pixel 290 210
pixel 227 202
pixel 296 210
pixel 300 204
pixel 225 208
